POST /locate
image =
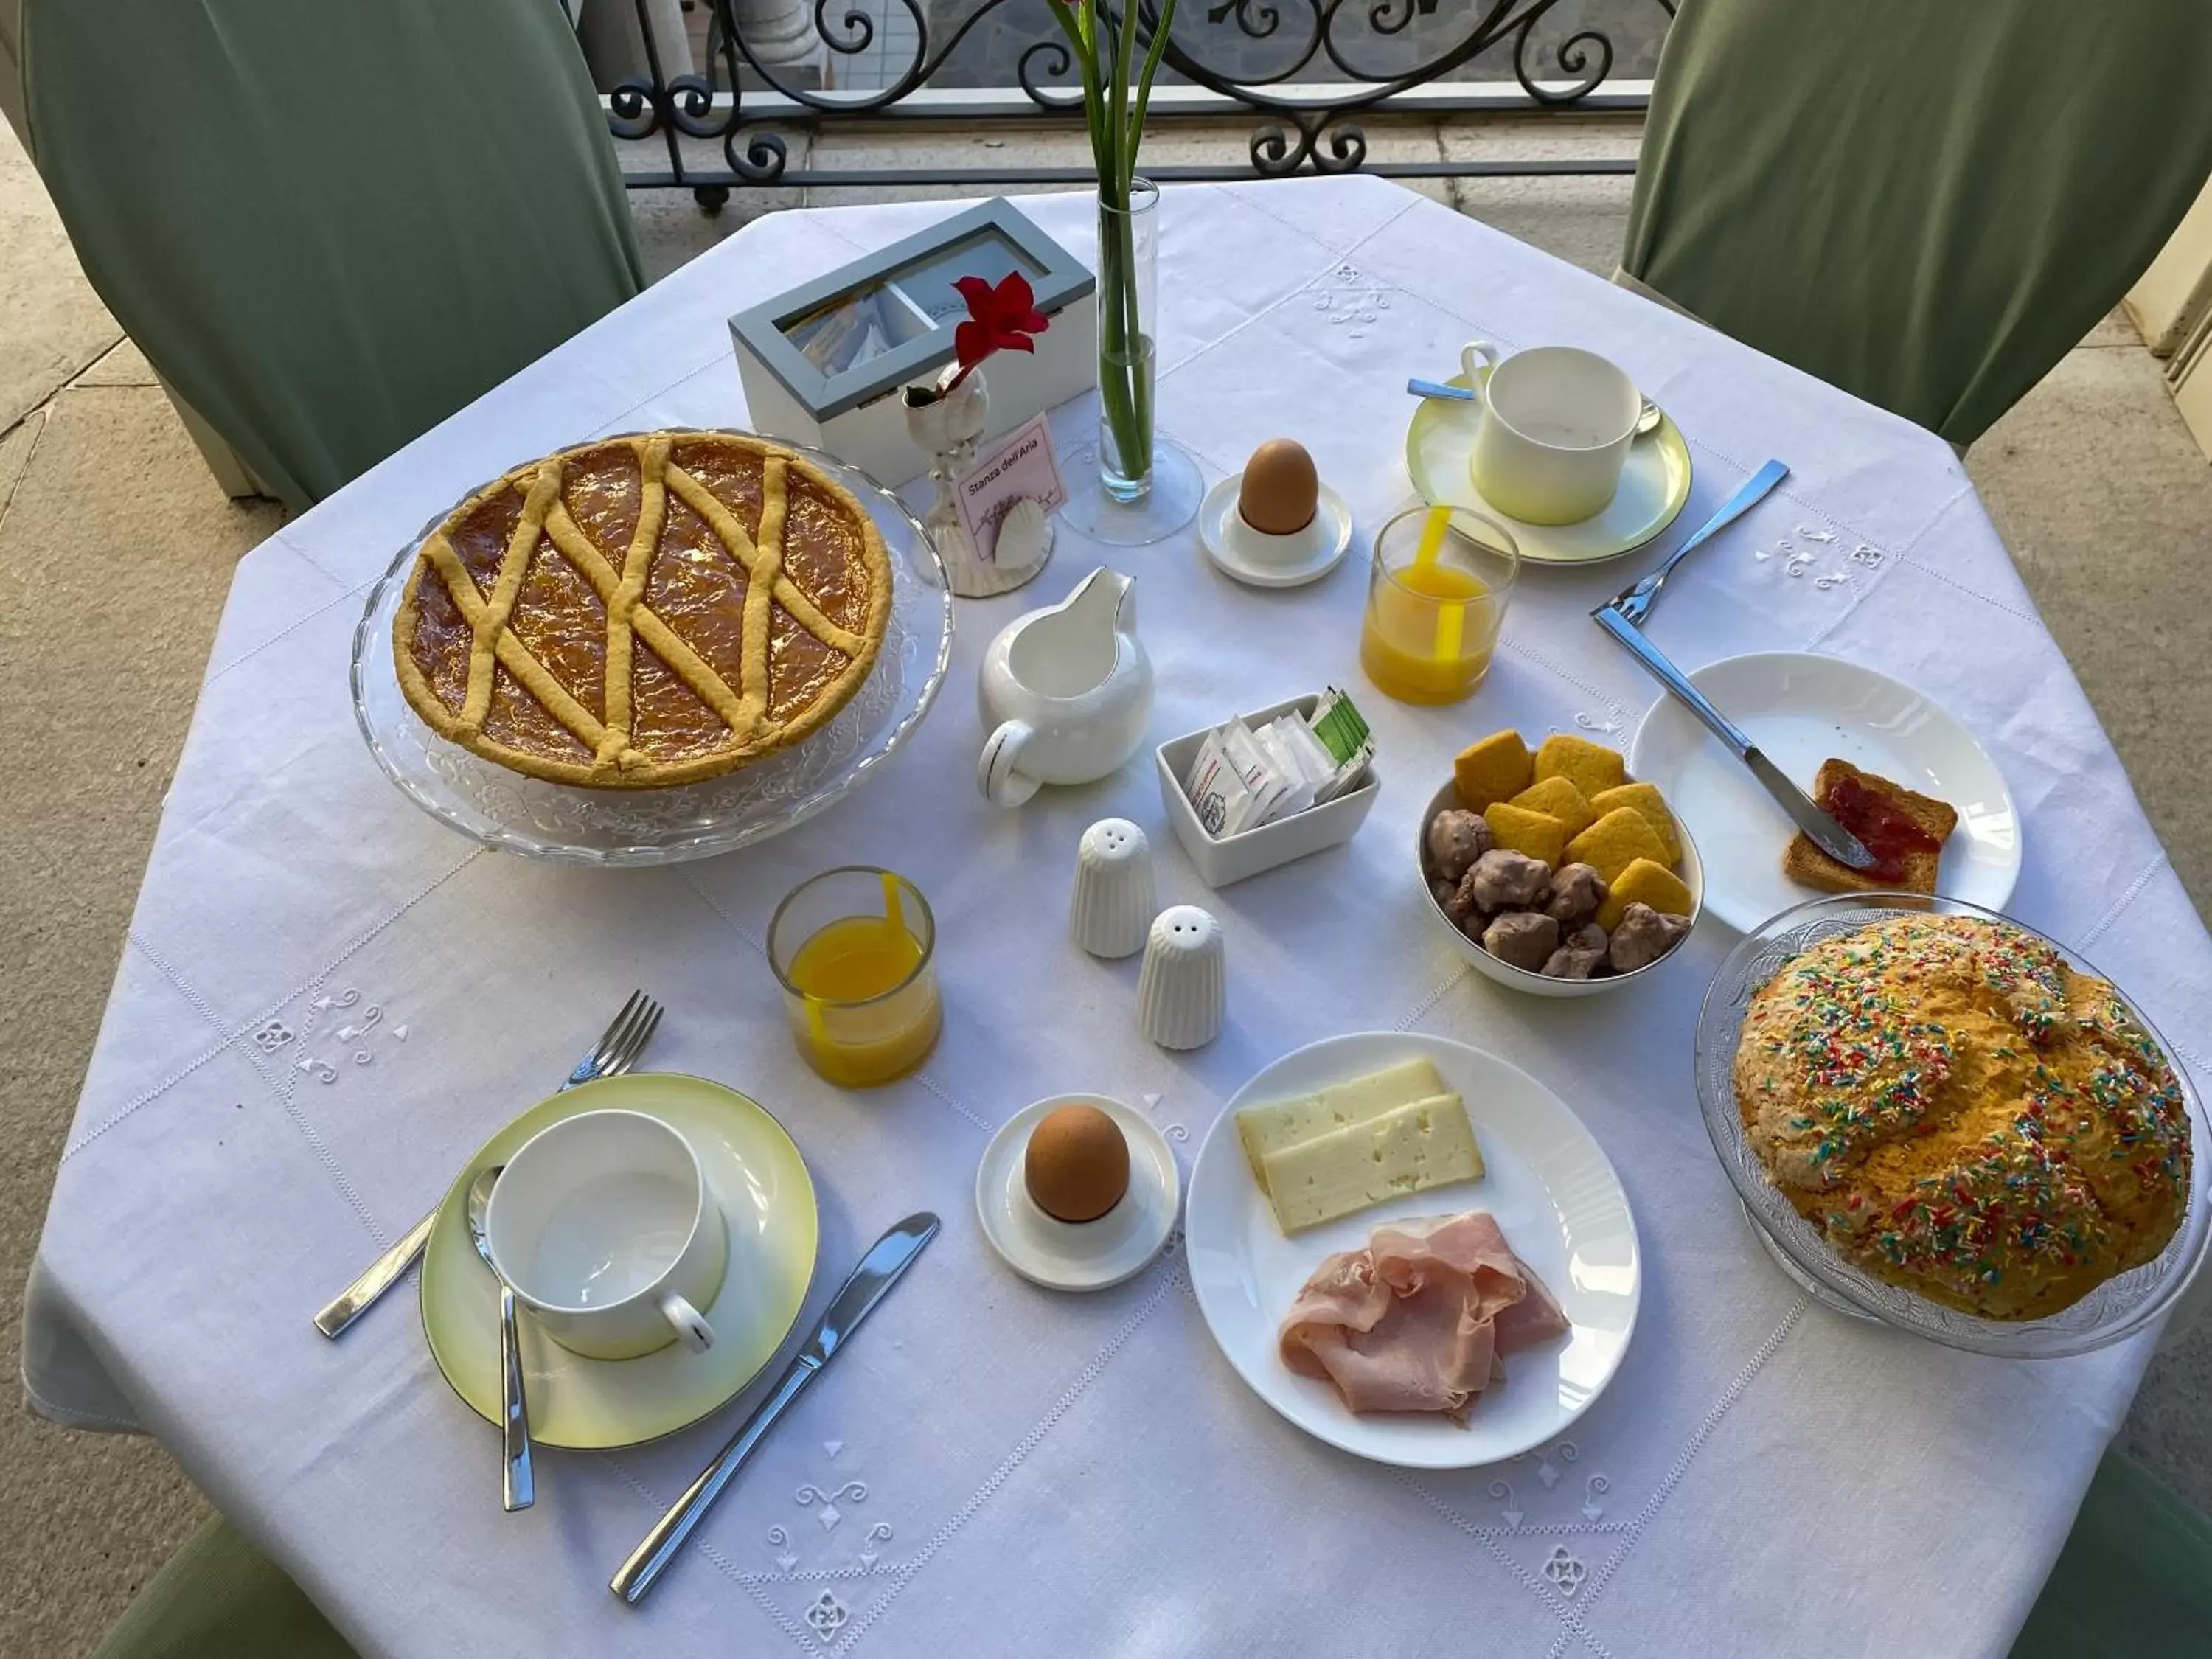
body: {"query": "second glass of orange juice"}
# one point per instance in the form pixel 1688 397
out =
pixel 854 951
pixel 1437 593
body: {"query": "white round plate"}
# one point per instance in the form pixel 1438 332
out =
pixel 1228 539
pixel 1065 1255
pixel 1653 485
pixel 591 1405
pixel 572 825
pixel 1547 1182
pixel 1800 709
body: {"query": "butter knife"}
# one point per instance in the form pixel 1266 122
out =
pixel 880 1269
pixel 1830 837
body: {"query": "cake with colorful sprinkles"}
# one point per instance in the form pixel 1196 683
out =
pixel 1962 1114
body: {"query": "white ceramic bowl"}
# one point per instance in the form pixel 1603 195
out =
pixel 1691 872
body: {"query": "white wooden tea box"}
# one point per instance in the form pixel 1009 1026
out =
pixel 823 363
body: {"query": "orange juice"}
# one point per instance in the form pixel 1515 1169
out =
pixel 863 1014
pixel 1429 634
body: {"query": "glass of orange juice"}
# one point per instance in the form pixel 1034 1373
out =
pixel 854 951
pixel 1441 580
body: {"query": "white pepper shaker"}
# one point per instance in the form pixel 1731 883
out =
pixel 1115 900
pixel 1180 990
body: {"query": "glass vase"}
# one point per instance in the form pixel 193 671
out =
pixel 1129 292
pixel 1145 489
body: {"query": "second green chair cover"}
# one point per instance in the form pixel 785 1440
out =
pixel 1927 202
pixel 329 225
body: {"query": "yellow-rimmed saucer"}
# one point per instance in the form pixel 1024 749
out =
pixel 1653 485
pixel 761 1181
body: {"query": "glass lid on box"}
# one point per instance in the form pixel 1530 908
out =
pixel 875 318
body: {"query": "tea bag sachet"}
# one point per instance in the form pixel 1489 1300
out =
pixel 1267 779
pixel 1216 790
pixel 1338 727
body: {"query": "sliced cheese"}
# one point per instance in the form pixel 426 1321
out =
pixel 1408 1149
pixel 1270 1128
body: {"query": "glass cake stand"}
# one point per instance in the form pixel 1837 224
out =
pixel 628 827
pixel 2116 1309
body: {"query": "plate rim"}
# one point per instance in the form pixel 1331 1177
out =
pixel 455 1197
pixel 1426 490
pixel 2020 823
pixel 499 838
pixel 1223 1129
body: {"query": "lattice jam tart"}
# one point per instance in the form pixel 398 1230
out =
pixel 645 611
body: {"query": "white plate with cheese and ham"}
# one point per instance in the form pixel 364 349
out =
pixel 1544 1180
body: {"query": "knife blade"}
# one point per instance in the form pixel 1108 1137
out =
pixel 883 1265
pixel 1830 837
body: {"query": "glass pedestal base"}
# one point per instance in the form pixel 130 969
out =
pixel 1169 505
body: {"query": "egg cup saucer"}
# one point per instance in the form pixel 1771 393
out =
pixel 1259 560
pixel 1089 1255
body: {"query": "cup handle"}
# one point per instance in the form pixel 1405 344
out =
pixel 995 776
pixel 694 1331
pixel 1477 358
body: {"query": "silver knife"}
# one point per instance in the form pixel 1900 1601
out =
pixel 1830 837
pixel 880 1269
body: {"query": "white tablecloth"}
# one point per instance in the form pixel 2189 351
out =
pixel 994 1468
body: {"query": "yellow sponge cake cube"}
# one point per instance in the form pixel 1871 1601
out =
pixel 1591 767
pixel 1615 842
pixel 1645 798
pixel 1645 882
pixel 1497 768
pixel 1539 835
pixel 1559 798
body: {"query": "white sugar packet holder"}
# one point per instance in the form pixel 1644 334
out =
pixel 1226 838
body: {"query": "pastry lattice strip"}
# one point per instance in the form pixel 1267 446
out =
pixel 760 553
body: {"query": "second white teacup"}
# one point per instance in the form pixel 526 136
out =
pixel 1556 426
pixel 605 1225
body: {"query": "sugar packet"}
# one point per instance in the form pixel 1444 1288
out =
pixel 1244 778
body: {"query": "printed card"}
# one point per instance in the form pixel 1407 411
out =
pixel 1020 467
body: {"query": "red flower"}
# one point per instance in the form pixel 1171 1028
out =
pixel 1001 318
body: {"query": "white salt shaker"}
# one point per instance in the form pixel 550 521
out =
pixel 1114 901
pixel 1180 991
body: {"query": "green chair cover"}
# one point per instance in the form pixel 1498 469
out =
pixel 1927 202
pixel 2135 1579
pixel 329 224
pixel 220 1598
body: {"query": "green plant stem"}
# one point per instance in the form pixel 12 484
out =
pixel 1145 81
pixel 1124 394
pixel 1124 142
pixel 1116 119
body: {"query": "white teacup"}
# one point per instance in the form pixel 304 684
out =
pixel 605 1226
pixel 1555 429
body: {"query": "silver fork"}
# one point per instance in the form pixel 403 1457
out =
pixel 615 1053
pixel 1635 602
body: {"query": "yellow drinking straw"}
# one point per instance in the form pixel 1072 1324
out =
pixel 1450 617
pixel 1433 530
pixel 818 1027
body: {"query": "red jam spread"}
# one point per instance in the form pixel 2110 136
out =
pixel 1884 829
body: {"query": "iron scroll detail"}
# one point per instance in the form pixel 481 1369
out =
pixel 1310 70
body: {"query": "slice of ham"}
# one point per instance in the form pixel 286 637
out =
pixel 1417 1321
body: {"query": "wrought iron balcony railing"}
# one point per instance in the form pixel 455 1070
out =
pixel 1309 72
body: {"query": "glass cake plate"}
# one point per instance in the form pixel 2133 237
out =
pixel 2116 1309
pixel 571 825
